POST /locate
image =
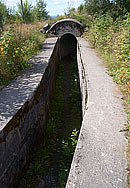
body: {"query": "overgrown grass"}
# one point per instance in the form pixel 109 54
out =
pixel 18 43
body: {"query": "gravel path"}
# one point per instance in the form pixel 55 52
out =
pixel 99 160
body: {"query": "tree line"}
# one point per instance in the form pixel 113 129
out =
pixel 96 8
pixel 114 7
pixel 25 12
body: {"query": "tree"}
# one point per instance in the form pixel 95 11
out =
pixel 26 8
pixel 69 9
pixel 4 13
pixel 97 6
pixel 22 9
pixel 40 9
pixel 123 5
pixel 115 7
pixel 80 9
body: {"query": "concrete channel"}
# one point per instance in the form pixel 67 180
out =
pixel 52 160
pixel 99 160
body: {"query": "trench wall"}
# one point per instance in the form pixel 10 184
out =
pixel 21 135
pixel 83 79
pixel 22 131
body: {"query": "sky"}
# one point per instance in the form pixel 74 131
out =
pixel 55 7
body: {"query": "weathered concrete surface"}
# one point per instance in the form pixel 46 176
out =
pixel 16 94
pixel 64 26
pixel 99 160
pixel 24 106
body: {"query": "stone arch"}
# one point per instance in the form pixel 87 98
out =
pixel 68 45
pixel 66 26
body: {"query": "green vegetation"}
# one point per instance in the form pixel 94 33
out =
pixel 68 148
pixel 61 133
pixel 4 13
pixel 115 8
pixel 18 43
pixel 25 12
pixel 112 39
pixel 29 13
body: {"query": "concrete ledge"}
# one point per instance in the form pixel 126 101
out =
pixel 99 160
pixel 23 112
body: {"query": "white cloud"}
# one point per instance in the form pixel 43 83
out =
pixel 64 1
pixel 56 2
pixel 13 3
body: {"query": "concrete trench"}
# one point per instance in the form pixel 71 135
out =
pixel 99 159
pixel 24 106
pixel 66 102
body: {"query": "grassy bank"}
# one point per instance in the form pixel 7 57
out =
pixel 18 43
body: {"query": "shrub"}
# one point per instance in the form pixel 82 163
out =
pixel 17 45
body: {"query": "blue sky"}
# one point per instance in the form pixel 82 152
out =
pixel 54 7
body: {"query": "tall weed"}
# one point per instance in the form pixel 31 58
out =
pixel 18 43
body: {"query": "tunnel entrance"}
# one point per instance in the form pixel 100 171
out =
pixel 64 26
pixel 68 45
pixel 50 165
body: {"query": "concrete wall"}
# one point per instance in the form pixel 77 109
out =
pixel 21 135
pixel 83 79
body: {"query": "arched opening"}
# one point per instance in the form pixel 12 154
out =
pixel 68 45
pixel 66 26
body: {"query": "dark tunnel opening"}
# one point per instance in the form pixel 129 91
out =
pixel 68 45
